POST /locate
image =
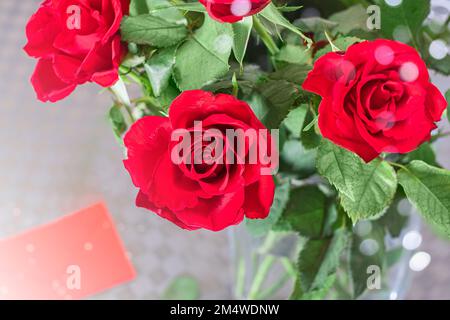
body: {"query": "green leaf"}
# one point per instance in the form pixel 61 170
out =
pixel 150 30
pixel 337 165
pixel 168 95
pixel 183 288
pixel 393 220
pixel 441 66
pixel 158 8
pixel 280 96
pixel 315 25
pixel 138 7
pixel 190 6
pixel 353 18
pixel 272 14
pixel 336 218
pixel 280 93
pixel 366 189
pixel 424 153
pixel 260 227
pixel 294 54
pixel 410 14
pixel 320 293
pixel 368 250
pixel 286 8
pixel 162 8
pixel 294 73
pixel 203 58
pixel 258 104
pixel 133 60
pixel 305 212
pixel 428 188
pixel 317 261
pixel 373 186
pixel 311 124
pixel 342 43
pixel 309 137
pixel 296 159
pixel 117 121
pixel 159 69
pixel 295 120
pixel 242 30
pixel 282 136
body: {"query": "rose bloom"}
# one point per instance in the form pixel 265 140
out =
pixel 75 41
pixel 377 97
pixel 233 10
pixel 195 194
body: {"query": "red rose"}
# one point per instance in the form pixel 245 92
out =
pixel 199 194
pixel 377 97
pixel 233 10
pixel 76 41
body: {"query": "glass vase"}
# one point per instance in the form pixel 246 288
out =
pixel 265 267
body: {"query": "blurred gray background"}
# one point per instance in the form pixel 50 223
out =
pixel 58 158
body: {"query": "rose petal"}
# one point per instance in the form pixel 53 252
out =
pixel 168 181
pixel 215 214
pixel 112 12
pixel 435 103
pixel 259 198
pixel 197 105
pixel 143 202
pixel 146 142
pixel 222 10
pixel 67 68
pixel 48 86
pixel 41 30
pixel 323 77
pixel 343 131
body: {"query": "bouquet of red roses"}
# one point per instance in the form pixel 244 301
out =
pixel 247 110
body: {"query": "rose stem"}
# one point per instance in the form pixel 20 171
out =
pixel 260 276
pixel 265 36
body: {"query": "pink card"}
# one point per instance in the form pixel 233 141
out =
pixel 71 258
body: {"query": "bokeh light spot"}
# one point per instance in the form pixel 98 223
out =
pixel 393 3
pixel 223 43
pixel 363 228
pixel 369 247
pixel 419 261
pixel 409 72
pixel 438 49
pixel 240 8
pixel 384 55
pixel 412 240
